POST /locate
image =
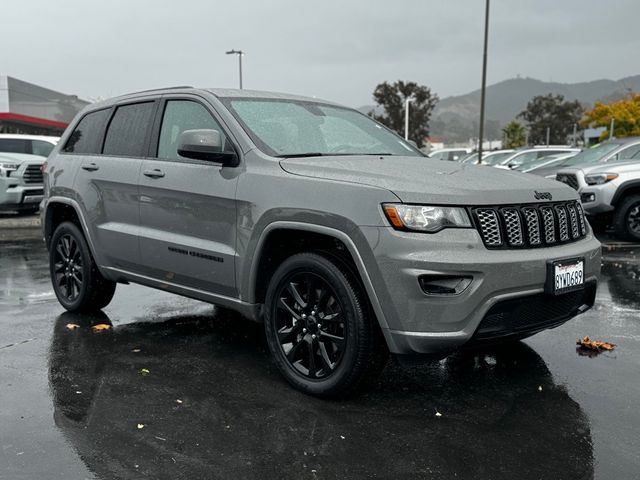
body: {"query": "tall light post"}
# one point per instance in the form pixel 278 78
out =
pixel 239 53
pixel 406 118
pixel 484 80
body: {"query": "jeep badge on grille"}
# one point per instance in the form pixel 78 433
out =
pixel 542 195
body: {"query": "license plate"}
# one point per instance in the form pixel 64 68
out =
pixel 566 276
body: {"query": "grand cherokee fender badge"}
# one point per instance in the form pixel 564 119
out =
pixel 542 195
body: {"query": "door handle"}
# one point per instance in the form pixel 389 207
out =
pixel 90 167
pixel 155 173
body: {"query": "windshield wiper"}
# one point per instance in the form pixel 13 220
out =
pixel 307 154
pixel 320 154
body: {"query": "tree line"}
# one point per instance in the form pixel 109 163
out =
pixel 546 118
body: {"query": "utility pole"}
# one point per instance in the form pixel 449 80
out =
pixel 575 134
pixel 613 124
pixel 406 118
pixel 548 135
pixel 239 53
pixel 484 80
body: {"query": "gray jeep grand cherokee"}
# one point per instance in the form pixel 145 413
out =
pixel 342 237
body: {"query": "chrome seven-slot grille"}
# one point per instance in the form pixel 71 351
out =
pixel 528 226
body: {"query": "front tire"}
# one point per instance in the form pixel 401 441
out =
pixel 76 280
pixel 319 327
pixel 627 218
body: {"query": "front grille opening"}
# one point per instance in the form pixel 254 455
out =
pixel 32 174
pixel 530 226
pixel 521 316
pixel 568 179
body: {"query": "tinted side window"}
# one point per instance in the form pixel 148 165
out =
pixel 181 115
pixel 127 131
pixel 86 136
pixel 15 145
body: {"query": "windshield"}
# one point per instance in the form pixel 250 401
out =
pixel 284 128
pixel 592 155
pixel 496 158
pixel 471 158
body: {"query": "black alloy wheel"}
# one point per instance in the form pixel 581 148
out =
pixel 311 325
pixel 77 282
pixel 68 272
pixel 321 332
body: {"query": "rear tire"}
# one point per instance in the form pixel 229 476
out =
pixel 76 280
pixel 319 327
pixel 626 220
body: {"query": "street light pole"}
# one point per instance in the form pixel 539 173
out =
pixel 239 53
pixel 406 118
pixel 484 80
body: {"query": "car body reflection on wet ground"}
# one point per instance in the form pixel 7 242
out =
pixel 178 389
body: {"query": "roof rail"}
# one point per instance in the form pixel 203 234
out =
pixel 159 89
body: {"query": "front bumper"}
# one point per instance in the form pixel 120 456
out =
pixel 15 195
pixel 597 199
pixel 415 322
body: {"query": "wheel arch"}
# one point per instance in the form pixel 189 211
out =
pixel 630 187
pixel 60 209
pixel 261 272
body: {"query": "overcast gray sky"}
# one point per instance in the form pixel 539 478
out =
pixel 333 49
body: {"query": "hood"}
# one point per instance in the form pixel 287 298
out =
pixel 613 167
pixel 19 158
pixel 423 180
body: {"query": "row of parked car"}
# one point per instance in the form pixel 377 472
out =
pixel 21 160
pixel 607 176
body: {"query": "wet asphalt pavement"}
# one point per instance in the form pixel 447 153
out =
pixel 76 404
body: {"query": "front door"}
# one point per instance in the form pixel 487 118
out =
pixel 188 208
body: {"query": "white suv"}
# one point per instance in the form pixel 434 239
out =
pixel 32 144
pixel 21 188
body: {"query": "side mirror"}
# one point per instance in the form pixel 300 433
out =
pixel 205 145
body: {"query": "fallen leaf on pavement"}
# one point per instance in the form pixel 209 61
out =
pixel 140 426
pixel 72 326
pixel 136 350
pixel 589 344
pixel 438 414
pixel 178 401
pixel 144 371
pixel 100 327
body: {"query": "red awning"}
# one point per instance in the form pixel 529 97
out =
pixel 41 122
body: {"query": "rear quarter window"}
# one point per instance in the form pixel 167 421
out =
pixel 85 138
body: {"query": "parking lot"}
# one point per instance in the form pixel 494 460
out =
pixel 177 389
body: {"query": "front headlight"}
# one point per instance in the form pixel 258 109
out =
pixel 7 168
pixel 425 218
pixel 600 178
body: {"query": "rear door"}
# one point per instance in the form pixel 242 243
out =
pixel 108 185
pixel 187 206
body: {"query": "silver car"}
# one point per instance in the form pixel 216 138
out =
pixel 313 218
pixel 610 194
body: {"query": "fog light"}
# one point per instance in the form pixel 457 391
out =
pixel 444 284
pixel 588 197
